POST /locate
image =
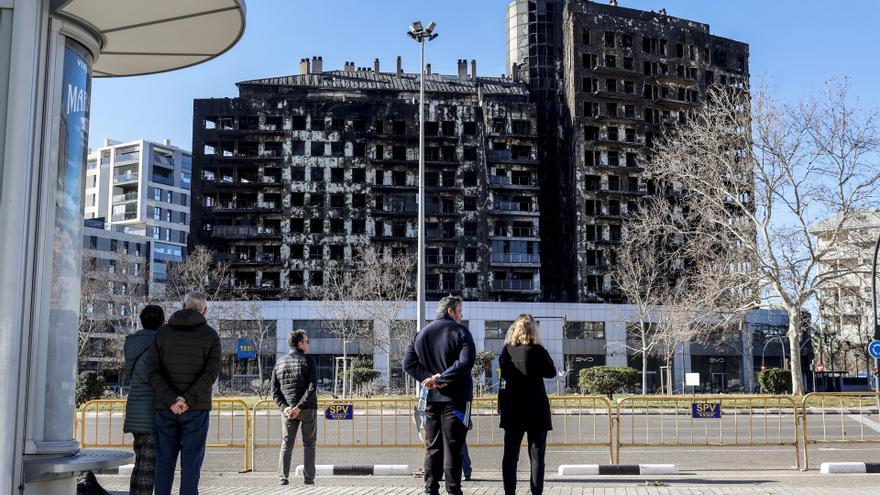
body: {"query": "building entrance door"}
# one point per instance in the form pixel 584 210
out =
pixel 718 382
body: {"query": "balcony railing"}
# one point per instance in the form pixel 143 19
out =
pixel 122 217
pixel 161 179
pixel 242 230
pixel 127 157
pixel 500 180
pixel 118 179
pixel 513 284
pixel 511 206
pixel 515 258
pixel 121 198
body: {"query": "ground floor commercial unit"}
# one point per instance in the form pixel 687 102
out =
pixel 576 335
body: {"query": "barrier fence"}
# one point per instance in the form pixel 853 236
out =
pixel 101 422
pixel 836 418
pixel 588 421
pixel 390 423
pixel 707 421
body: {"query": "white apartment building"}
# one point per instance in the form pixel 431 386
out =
pixel 845 302
pixel 143 188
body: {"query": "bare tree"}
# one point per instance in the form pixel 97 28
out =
pixel 200 271
pixel 370 289
pixel 763 174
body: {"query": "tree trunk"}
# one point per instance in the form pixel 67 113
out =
pixel 670 360
pixel 794 341
pixel 644 335
pixel 344 367
pixel 750 364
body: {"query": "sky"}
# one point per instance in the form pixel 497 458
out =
pixel 795 46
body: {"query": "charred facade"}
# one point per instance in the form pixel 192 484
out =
pixel 298 172
pixel 606 80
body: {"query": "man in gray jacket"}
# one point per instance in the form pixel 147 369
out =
pixel 139 409
pixel 294 388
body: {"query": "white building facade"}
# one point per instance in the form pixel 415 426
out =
pixel 576 335
pixel 143 188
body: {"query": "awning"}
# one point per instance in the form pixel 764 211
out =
pixel 149 36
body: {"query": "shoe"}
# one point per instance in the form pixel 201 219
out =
pixel 283 482
pixel 308 482
pixel 467 477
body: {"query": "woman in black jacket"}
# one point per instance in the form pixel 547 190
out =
pixel 522 402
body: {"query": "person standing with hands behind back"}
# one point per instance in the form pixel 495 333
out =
pixel 184 361
pixel 441 357
pixel 523 403
pixel 294 388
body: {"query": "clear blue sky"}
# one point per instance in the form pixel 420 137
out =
pixel 795 44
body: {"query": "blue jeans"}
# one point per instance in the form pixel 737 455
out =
pixel 465 460
pixel 183 434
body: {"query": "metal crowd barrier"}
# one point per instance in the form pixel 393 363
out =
pixel 388 423
pixel 744 420
pixel 837 418
pixel 101 421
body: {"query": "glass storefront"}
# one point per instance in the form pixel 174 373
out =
pixel 718 374
pixel 577 362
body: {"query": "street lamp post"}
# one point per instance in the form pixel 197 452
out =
pixel 781 344
pixel 421 34
pixel 874 305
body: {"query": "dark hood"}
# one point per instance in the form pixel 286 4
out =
pixel 186 319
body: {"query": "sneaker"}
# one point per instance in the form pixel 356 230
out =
pixel 283 482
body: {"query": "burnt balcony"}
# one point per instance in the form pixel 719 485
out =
pixel 515 208
pixel 608 70
pixel 244 232
pixel 507 156
pixel 616 95
pixel 515 259
pixel 515 285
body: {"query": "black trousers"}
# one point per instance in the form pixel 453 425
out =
pixel 444 437
pixel 537 447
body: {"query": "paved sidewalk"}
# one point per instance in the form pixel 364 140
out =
pixel 805 484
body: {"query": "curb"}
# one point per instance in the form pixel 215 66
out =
pixel 613 469
pixel 849 467
pixel 358 470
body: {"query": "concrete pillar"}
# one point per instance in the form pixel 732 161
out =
pixel 615 343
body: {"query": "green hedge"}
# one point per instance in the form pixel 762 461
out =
pixel 776 381
pixel 605 380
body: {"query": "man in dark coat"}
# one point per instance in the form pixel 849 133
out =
pixel 441 357
pixel 139 406
pixel 294 388
pixel 185 360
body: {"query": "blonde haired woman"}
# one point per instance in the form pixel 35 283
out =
pixel 522 402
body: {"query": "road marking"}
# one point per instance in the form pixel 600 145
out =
pixel 865 421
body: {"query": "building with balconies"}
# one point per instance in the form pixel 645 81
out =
pixel 143 188
pixel 298 172
pixel 624 75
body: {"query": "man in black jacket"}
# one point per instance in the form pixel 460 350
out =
pixel 294 388
pixel 441 357
pixel 184 362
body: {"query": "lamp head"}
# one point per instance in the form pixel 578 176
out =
pixel 431 26
pixel 415 27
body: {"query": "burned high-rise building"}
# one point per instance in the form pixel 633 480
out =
pixel 605 80
pixel 298 172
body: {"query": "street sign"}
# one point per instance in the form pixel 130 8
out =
pixel 874 349
pixel 339 411
pixel 706 410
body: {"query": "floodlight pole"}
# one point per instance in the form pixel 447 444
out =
pixel 421 35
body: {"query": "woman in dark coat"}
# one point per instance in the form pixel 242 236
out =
pixel 522 402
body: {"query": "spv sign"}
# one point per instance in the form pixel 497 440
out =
pixel 706 410
pixel 339 411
